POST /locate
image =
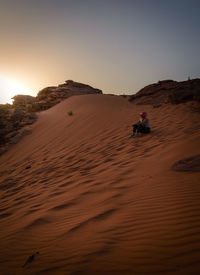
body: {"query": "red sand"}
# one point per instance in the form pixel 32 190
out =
pixel 95 201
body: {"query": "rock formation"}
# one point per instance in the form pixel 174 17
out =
pixel 22 100
pixel 50 96
pixel 13 118
pixel 168 91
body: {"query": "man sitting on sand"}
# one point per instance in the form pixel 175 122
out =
pixel 142 126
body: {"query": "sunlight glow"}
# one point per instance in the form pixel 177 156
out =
pixel 9 88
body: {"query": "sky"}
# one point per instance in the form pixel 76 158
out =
pixel 118 46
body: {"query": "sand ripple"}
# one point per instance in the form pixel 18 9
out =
pixel 95 201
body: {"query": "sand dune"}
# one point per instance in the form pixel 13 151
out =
pixel 91 200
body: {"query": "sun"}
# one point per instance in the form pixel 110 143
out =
pixel 9 88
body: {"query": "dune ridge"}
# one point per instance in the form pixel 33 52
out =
pixel 92 200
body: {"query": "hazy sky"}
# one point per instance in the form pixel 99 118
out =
pixel 118 46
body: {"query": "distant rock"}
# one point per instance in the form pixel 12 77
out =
pixel 22 100
pixel 168 91
pixel 50 96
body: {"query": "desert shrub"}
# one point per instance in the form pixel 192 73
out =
pixel 70 113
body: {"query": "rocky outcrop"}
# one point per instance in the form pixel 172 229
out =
pixel 50 96
pixel 168 91
pixel 12 122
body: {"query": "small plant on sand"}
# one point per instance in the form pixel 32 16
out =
pixel 70 113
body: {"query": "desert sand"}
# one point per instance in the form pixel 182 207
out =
pixel 92 200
